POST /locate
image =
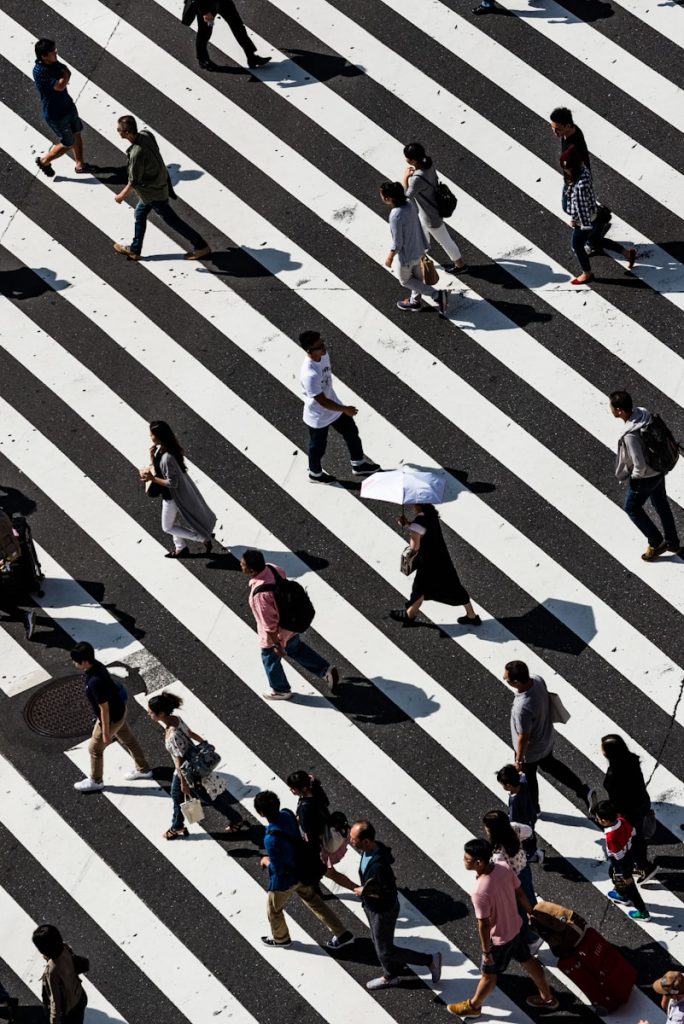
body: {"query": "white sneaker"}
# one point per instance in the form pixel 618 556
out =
pixel 278 695
pixel 377 983
pixel 88 786
pixel 135 774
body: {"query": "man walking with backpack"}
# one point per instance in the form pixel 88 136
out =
pixel 646 452
pixel 288 869
pixel 108 700
pixel 282 610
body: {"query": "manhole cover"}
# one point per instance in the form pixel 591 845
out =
pixel 60 709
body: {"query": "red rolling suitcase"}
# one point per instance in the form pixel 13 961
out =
pixel 600 971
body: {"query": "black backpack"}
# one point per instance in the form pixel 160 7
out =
pixel 295 610
pixel 445 200
pixel 309 868
pixel 661 451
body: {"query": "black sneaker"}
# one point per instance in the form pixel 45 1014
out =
pixel 451 268
pixel 365 468
pixel 465 620
pixel 321 478
pixel 255 61
pixel 443 303
pixel 268 941
pixel 401 615
pixel 338 941
pixel 45 169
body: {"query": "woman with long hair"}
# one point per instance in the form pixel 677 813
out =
pixel 63 995
pixel 409 245
pixel 178 739
pixel 420 183
pixel 316 822
pixel 507 838
pixel 436 578
pixel 167 476
pixel 626 789
pixel 579 201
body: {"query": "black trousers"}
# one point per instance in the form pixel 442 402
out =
pixel 559 771
pixel 318 441
pixel 393 959
pixel 228 11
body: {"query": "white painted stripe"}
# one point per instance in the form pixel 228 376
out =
pixel 312 188
pixel 339 622
pixel 604 57
pixel 663 16
pixel 611 637
pixel 230 640
pixel 18 670
pixel 18 952
pixel 113 905
pixel 656 267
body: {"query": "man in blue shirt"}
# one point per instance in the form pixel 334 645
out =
pixel 59 110
pixel 284 847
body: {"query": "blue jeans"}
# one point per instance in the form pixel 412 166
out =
pixel 639 492
pixel 318 441
pixel 221 803
pixel 578 241
pixel 299 652
pixel 167 214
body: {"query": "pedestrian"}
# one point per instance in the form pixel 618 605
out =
pixel 436 578
pixel 645 483
pixel 569 134
pixel 420 183
pixel 149 179
pixel 619 835
pixel 178 740
pixel 533 735
pixel 409 245
pixel 495 897
pixel 180 498
pixel 206 11
pixel 323 409
pixel 626 789
pixel 671 990
pixel 59 110
pixel 8 1004
pixel 275 642
pixel 579 201
pixel 507 838
pixel 63 994
pixel 380 901
pixel 521 808
pixel 281 840
pixel 108 700
pixel 317 824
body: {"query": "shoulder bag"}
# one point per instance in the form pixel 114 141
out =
pixel 152 489
pixel 559 713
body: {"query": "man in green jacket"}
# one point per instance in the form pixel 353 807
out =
pixel 147 175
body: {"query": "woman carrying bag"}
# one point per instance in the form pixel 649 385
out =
pixel 63 995
pixel 318 825
pixel 167 477
pixel 626 789
pixel 507 838
pixel 178 739
pixel 420 183
pixel 436 578
pixel 409 244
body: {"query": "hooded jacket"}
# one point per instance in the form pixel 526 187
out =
pixel 631 459
pixel 375 871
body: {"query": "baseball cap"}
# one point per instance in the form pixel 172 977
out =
pixel 671 983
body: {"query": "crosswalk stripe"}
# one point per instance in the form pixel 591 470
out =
pixel 656 267
pixel 665 18
pixel 621 645
pixel 589 310
pixel 20 955
pixel 216 626
pixel 152 946
pixel 342 625
pixel 18 670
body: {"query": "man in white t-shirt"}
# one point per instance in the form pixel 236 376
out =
pixel 323 409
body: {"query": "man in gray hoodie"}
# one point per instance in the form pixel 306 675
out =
pixel 644 482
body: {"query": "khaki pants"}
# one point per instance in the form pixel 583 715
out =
pixel 121 732
pixel 276 904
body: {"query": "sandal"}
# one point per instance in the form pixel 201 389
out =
pixel 401 615
pixel 237 826
pixel 46 169
pixel 175 833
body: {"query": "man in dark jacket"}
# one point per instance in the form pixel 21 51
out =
pixel 379 897
pixel 206 11
pixel 149 178
pixel 281 841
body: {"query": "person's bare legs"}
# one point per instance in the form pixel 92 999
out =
pixel 53 154
pixel 78 151
pixel 414 608
pixel 485 987
pixel 538 976
pixel 469 610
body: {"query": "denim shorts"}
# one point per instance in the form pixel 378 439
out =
pixel 517 949
pixel 66 127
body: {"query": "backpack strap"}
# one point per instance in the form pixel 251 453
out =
pixel 269 588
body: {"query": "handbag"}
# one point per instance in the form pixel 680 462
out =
pixel 192 810
pixel 409 560
pixel 81 963
pixel 200 760
pixel 152 489
pixel 557 709
pixel 428 271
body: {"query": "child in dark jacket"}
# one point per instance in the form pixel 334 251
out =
pixel 521 808
pixel 619 834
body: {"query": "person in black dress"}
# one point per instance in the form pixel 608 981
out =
pixel 436 578
pixel 626 789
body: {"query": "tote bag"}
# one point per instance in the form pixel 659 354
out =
pixel 192 810
pixel 559 712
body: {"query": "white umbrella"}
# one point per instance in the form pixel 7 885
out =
pixel 407 485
